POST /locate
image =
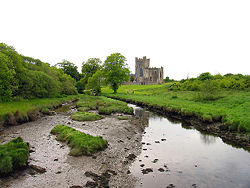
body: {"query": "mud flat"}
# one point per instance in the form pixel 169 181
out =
pixel 51 166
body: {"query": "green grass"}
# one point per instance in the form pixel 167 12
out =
pixel 232 108
pixel 122 117
pixel 79 142
pixel 86 116
pixel 22 111
pixel 13 155
pixel 104 105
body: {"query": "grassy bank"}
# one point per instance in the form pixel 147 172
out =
pixel 232 108
pixel 15 112
pixel 80 143
pixel 103 105
pixel 13 155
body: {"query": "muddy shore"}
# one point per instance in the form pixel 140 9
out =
pixel 215 128
pixel 61 170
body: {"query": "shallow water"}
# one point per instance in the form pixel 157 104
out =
pixel 187 158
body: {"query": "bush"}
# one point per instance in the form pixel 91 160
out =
pixel 209 91
pixel 80 143
pixel 86 116
pixel 13 155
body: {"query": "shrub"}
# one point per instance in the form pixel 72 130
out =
pixel 80 143
pixel 209 91
pixel 86 116
pixel 13 155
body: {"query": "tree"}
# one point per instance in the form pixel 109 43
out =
pixel 89 68
pixel 70 69
pixel 205 76
pixel 115 71
pixel 94 83
pixel 5 79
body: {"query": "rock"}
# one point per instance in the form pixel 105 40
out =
pixel 163 139
pixel 128 172
pixel 148 144
pixel 131 156
pixel 155 160
pixel 194 185
pixel 142 165
pixel 146 156
pixel 58 172
pixel 147 170
pixel 157 142
pixel 112 172
pixel 195 166
pixel 143 143
pixel 32 151
pixel 120 141
pixel 170 186
pixel 56 159
pixel 37 168
pixel 94 157
pixel 161 170
pixel 144 149
pixel 91 184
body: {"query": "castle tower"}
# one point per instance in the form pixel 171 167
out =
pixel 140 65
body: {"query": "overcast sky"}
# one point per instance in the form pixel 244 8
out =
pixel 186 37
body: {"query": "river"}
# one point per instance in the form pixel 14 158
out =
pixel 174 155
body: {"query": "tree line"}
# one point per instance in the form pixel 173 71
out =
pixel 26 77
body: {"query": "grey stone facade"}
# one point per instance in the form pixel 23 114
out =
pixel 144 74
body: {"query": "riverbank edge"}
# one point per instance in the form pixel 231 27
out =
pixel 235 139
pixel 33 114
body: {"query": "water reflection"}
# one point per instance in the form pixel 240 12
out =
pixel 207 139
pixel 179 154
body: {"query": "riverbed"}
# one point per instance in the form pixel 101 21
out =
pixel 147 150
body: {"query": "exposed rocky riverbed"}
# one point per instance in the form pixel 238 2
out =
pixel 51 166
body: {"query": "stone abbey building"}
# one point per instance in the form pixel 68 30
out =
pixel 144 74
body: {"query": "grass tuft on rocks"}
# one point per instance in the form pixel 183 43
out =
pixel 122 118
pixel 13 155
pixel 104 105
pixel 86 116
pixel 79 142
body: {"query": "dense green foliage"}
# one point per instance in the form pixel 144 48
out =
pixel 231 108
pixel 13 155
pixel 86 116
pixel 115 71
pixel 69 69
pixel 26 77
pixel 104 105
pixel 80 143
pixel 228 81
pixel 94 83
pixel 89 69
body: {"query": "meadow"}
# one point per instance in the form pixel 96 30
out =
pixel 232 107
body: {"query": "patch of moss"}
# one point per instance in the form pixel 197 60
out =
pixel 122 117
pixel 86 116
pixel 80 143
pixel 13 155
